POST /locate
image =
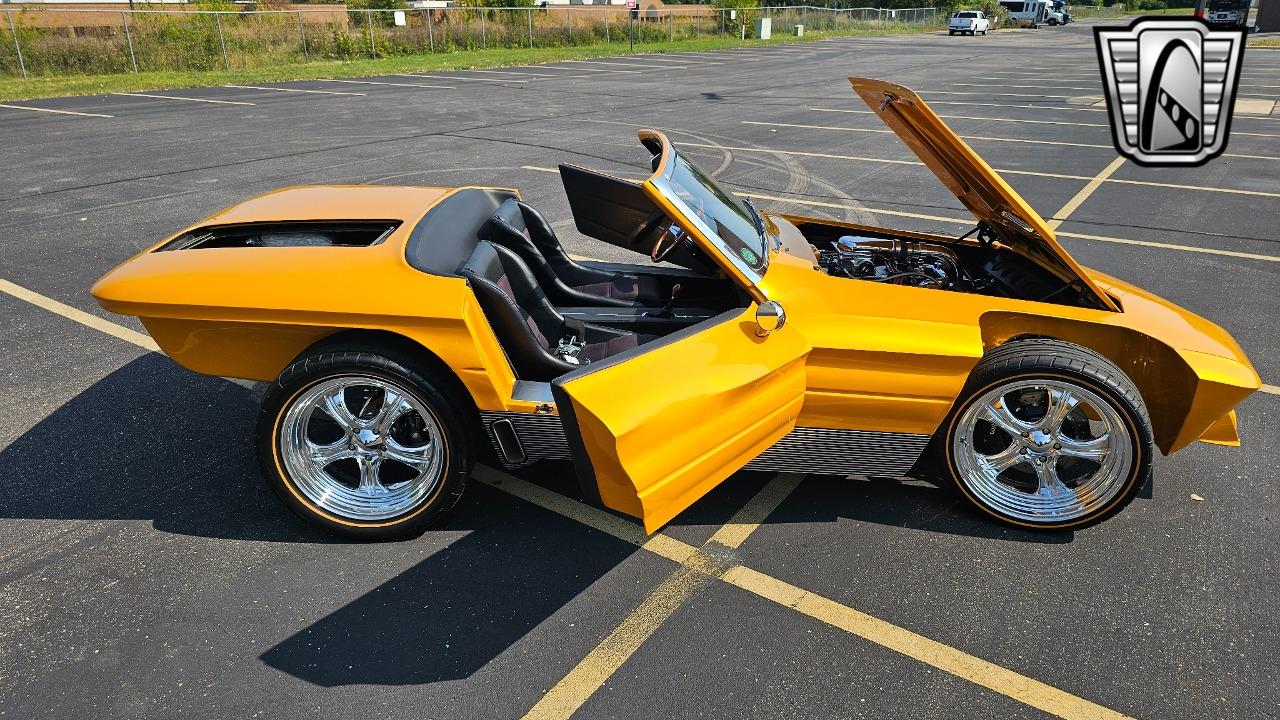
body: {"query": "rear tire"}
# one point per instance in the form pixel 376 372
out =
pixel 363 444
pixel 1048 435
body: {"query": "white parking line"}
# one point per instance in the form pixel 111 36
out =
pixel 594 70
pixel 1028 87
pixel 189 99
pixel 659 58
pixel 510 72
pixel 1002 171
pixel 463 79
pixel 1053 108
pixel 988 138
pixel 56 112
pixel 294 90
pixel 392 84
pixel 968 222
pixel 966 137
pixel 624 64
pixel 1002 94
pixel 971 117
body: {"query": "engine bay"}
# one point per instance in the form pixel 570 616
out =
pixel 981 266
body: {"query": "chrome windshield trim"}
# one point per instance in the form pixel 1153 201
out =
pixel 689 216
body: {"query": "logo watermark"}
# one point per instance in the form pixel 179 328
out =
pixel 1171 88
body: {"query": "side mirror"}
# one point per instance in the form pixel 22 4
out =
pixel 769 317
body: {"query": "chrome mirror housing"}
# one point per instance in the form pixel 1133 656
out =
pixel 769 317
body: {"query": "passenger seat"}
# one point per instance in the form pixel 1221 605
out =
pixel 540 342
pixel 521 228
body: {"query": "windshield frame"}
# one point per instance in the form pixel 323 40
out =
pixel 663 183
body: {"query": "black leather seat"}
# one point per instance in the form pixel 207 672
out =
pixel 529 328
pixel 519 227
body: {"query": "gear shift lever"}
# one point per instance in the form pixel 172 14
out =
pixel 667 309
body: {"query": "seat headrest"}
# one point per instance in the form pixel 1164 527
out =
pixel 483 263
pixel 509 217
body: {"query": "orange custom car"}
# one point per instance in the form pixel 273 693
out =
pixel 407 331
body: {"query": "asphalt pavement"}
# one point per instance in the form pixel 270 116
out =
pixel 146 570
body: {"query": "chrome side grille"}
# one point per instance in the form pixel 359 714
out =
pixel 541 436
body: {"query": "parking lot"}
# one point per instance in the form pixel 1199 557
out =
pixel 146 570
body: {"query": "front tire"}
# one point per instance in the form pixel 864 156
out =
pixel 362 444
pixel 1049 435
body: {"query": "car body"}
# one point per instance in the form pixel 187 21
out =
pixel 818 346
pixel 968 21
pixel 1228 13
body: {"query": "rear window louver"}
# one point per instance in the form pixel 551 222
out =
pixel 363 233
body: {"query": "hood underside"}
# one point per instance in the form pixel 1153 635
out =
pixel 975 184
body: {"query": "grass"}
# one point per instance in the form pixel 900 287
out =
pixel 13 88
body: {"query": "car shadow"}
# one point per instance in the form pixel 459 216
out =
pixel 899 502
pixel 153 442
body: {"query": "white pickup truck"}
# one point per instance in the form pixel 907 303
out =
pixel 968 21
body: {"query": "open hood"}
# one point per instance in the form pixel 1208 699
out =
pixel 974 183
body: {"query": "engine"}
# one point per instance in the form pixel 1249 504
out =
pixel 901 262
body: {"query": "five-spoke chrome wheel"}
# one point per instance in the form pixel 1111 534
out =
pixel 1042 451
pixel 361 447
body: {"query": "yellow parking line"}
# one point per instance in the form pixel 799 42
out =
pixel 142 340
pixel 659 544
pixel 567 696
pixel 948 659
pixel 55 112
pixel 618 646
pixel 970 222
pixel 918 647
pixel 1078 199
pixel 697 570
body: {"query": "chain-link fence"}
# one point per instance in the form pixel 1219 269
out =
pixel 1079 12
pixel 90 41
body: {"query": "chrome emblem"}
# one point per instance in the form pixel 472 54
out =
pixel 1171 87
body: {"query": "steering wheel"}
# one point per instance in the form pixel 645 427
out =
pixel 661 251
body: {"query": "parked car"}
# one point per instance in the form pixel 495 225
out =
pixel 406 331
pixel 973 22
pixel 1228 13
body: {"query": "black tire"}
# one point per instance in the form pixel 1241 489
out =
pixel 1055 360
pixel 388 366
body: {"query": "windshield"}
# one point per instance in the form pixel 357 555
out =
pixel 966 15
pixel 731 224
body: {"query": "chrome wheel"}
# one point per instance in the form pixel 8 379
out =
pixel 1042 451
pixel 361 448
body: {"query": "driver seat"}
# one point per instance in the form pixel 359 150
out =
pixel 528 326
pixel 519 227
